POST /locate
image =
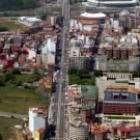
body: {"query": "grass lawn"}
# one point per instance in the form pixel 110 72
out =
pixel 7 128
pixel 11 25
pixel 16 100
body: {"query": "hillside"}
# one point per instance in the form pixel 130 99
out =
pixel 17 4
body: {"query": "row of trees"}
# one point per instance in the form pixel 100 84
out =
pixel 83 77
pixel 17 4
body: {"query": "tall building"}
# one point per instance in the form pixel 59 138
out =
pixel 118 52
pixel 78 128
pixel 131 20
pixel 84 95
pixel 81 106
pixel 37 121
pixel 48 52
pixel 80 56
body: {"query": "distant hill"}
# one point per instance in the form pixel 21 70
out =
pixel 17 4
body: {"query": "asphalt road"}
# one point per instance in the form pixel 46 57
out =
pixel 18 116
pixel 63 80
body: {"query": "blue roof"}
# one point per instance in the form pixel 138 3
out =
pixel 109 96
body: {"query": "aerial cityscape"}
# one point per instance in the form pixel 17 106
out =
pixel 69 70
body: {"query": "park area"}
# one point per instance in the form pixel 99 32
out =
pixel 17 99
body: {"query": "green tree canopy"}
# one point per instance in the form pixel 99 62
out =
pixel 17 4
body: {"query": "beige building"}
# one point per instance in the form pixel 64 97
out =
pixel 118 52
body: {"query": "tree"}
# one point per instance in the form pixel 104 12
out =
pixel 1 137
pixel 36 71
pixel 44 16
pixel 3 29
pixel 73 71
pixel 16 71
pixel 8 76
pixel 2 81
pixel 17 4
pixel 98 73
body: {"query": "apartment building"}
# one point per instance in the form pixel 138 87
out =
pixel 78 128
pixel 128 19
pixel 48 51
pixel 80 56
pixel 37 122
pixel 118 52
pixel 84 95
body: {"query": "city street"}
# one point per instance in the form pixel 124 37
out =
pixel 63 78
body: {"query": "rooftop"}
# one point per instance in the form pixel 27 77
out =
pixel 93 15
pixel 98 128
pixel 87 95
pixel 127 129
pixel 121 93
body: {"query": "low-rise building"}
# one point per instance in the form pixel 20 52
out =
pixel 29 21
pixel 126 132
pixel 98 131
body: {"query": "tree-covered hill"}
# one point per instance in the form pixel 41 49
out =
pixel 17 4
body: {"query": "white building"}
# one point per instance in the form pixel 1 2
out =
pixel 48 51
pixel 37 119
pixel 112 3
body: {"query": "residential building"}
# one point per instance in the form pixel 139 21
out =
pixel 48 52
pixel 78 128
pixel 118 52
pixel 46 82
pixel 80 55
pixel 131 20
pixel 126 132
pixel 84 95
pixel 37 121
pixel 98 131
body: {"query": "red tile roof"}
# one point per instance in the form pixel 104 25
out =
pixel 127 129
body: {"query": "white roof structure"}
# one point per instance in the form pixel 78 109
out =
pixel 30 19
pixel 93 15
pixel 113 2
pixel 32 54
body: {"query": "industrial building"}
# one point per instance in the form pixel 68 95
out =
pixel 121 99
